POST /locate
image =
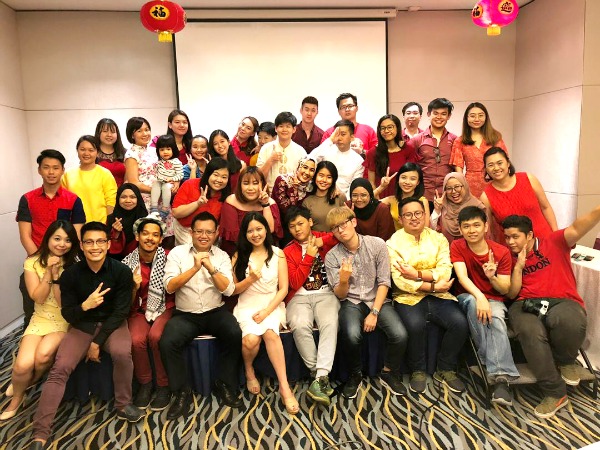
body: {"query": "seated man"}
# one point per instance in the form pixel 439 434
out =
pixel 200 274
pixel 337 150
pixel 150 311
pixel 421 270
pixel 358 270
pixel 542 273
pixel 483 269
pixel 95 300
pixel 310 299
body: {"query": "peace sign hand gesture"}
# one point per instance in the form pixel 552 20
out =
pixel 437 202
pixel 95 299
pixel 490 267
pixel 192 164
pixel 263 198
pixel 385 181
pixel 203 199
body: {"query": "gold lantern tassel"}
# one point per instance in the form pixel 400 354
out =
pixel 165 36
pixel 494 30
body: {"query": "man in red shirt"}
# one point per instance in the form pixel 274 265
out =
pixel 311 299
pixel 543 275
pixel 306 134
pixel 483 269
pixel 434 146
pixel 42 206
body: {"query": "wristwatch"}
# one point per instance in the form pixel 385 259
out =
pixel 419 276
pixel 375 312
pixel 214 272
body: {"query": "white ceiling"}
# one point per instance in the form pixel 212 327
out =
pixel 135 5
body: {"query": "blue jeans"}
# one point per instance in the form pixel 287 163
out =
pixel 351 318
pixel 492 339
pixel 445 313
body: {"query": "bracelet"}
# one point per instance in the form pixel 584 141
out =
pixel 265 205
pixel 433 286
pixel 50 282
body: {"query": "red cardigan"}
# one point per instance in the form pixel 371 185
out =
pixel 298 266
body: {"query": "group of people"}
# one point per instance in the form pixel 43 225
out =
pixel 137 252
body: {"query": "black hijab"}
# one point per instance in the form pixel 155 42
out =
pixel 128 217
pixel 366 212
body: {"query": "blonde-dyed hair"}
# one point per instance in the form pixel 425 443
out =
pixel 338 215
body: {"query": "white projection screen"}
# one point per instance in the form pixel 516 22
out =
pixel 228 70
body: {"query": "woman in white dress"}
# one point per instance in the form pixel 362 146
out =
pixel 261 278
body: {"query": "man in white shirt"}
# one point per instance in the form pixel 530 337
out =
pixel 200 274
pixel 283 155
pixel 336 149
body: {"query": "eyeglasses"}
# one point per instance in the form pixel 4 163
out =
pixel 457 188
pixel 340 226
pixel 359 196
pixel 436 152
pixel 207 233
pixel 388 128
pixel 92 243
pixel 347 107
pixel 410 215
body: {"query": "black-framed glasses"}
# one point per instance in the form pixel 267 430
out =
pixel 415 214
pixel 340 226
pixel 388 128
pixel 457 188
pixel 436 153
pixel 91 242
pixel 347 107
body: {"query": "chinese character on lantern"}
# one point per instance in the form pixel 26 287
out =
pixel 163 17
pixel 494 14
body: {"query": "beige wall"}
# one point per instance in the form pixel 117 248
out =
pixel 16 176
pixel 548 96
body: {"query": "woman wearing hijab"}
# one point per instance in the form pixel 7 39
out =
pixel 129 208
pixel 372 216
pixel 456 196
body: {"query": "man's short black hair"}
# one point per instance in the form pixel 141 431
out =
pixel 294 211
pixel 50 153
pixel 470 213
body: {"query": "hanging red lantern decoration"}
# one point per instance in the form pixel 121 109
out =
pixel 164 18
pixel 494 14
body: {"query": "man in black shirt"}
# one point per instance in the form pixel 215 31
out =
pixel 95 298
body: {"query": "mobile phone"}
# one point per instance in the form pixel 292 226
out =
pixel 588 258
pixel 575 255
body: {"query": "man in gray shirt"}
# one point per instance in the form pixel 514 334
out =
pixel 358 269
pixel 199 274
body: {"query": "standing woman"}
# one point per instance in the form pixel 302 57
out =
pixel 95 185
pixel 250 195
pixel 478 135
pixel 410 184
pixel 179 127
pixel 324 195
pixel 47 327
pixel 456 195
pixel 290 188
pixel 207 194
pixel 219 145
pixel 373 217
pixel 129 208
pixel 111 152
pixel 244 142
pixel 260 274
pixel 197 159
pixel 140 165
pixel 391 153
pixel 515 193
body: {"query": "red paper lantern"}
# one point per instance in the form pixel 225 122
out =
pixel 494 14
pixel 164 18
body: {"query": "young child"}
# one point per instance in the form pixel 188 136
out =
pixel 169 171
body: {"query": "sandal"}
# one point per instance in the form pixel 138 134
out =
pixel 6 415
pixel 9 390
pixel 291 405
pixel 253 386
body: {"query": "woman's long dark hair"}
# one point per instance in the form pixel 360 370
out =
pixel 490 135
pixel 334 176
pixel 215 164
pixel 112 126
pixel 244 246
pixel 44 251
pixel 419 189
pixel 234 165
pixel 382 158
pixel 186 140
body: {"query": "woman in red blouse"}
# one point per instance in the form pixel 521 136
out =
pixel 111 152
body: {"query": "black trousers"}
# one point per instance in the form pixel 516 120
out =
pixel 183 327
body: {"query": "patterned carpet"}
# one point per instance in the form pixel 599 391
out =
pixel 373 420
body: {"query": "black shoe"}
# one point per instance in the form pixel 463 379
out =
pixel 351 387
pixel 180 405
pixel 393 382
pixel 226 395
pixel 37 445
pixel 130 413
pixel 143 396
pixel 161 399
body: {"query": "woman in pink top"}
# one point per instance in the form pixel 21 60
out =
pixel 515 193
pixel 478 136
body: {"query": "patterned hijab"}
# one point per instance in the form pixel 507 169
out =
pixel 450 210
